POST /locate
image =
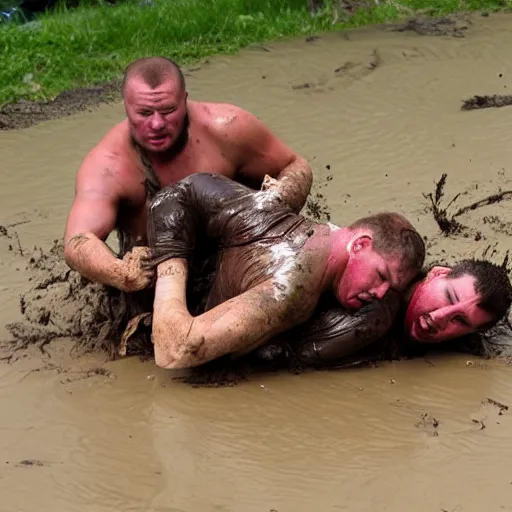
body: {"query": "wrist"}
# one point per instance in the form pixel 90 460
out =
pixel 119 275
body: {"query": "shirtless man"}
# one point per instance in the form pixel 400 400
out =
pixel 273 266
pixel 165 138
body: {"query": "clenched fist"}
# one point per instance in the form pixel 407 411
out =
pixel 135 273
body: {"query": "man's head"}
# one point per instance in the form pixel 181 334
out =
pixel 469 297
pixel 155 101
pixel 384 251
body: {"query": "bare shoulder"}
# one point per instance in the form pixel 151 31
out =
pixel 313 258
pixel 224 118
pixel 301 284
pixel 111 163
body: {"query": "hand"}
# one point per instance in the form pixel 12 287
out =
pixel 136 274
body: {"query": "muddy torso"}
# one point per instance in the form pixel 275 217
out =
pixel 281 255
pixel 257 237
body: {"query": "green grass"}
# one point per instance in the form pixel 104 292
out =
pixel 90 45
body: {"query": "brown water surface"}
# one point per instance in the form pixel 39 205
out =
pixel 407 436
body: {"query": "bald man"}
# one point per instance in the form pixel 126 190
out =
pixel 165 138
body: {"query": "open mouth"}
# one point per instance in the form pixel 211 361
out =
pixel 157 139
pixel 364 299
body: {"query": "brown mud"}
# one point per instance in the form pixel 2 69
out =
pixel 447 26
pixel 124 435
pixel 25 113
pixel 494 101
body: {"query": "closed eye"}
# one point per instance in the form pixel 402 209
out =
pixel 448 296
pixel 462 320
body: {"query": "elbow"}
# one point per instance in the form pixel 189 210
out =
pixel 166 359
pixel 69 257
pixel 171 354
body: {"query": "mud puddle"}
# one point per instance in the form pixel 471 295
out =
pixel 87 434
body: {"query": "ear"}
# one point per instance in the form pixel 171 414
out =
pixel 438 271
pixel 359 244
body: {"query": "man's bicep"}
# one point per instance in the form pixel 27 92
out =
pixel 260 151
pixel 92 213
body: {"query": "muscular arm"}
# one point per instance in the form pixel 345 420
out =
pixel 92 217
pixel 236 326
pixel 259 152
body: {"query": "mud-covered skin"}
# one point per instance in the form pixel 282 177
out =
pixel 334 333
pixel 258 235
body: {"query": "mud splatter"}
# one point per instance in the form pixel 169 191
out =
pixel 62 304
pixel 447 222
pixel 316 207
pixel 432 26
pixel 494 101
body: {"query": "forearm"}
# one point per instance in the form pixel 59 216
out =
pixel 94 260
pixel 172 321
pixel 295 182
pixel 233 327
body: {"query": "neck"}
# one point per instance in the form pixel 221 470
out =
pixel 338 257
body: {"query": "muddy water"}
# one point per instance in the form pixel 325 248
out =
pixel 414 435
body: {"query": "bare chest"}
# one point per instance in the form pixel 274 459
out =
pixel 200 155
pixel 197 156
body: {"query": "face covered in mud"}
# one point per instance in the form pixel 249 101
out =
pixel 157 116
pixel 368 275
pixel 442 308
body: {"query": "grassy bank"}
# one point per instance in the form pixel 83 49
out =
pixel 91 45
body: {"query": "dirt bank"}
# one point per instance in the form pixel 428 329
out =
pixel 24 113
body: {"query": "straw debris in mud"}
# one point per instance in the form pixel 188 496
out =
pixel 447 222
pixel 62 304
pixel 432 26
pixel 494 101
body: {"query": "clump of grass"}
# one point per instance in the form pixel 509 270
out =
pixel 89 45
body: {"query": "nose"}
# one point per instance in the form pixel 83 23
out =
pixel 157 121
pixel 443 316
pixel 381 290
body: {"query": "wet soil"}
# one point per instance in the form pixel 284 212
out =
pixel 25 113
pixel 447 26
pixel 494 101
pixel 123 435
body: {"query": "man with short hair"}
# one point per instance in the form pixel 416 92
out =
pixel 471 296
pixel 272 267
pixel 442 307
pixel 165 138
